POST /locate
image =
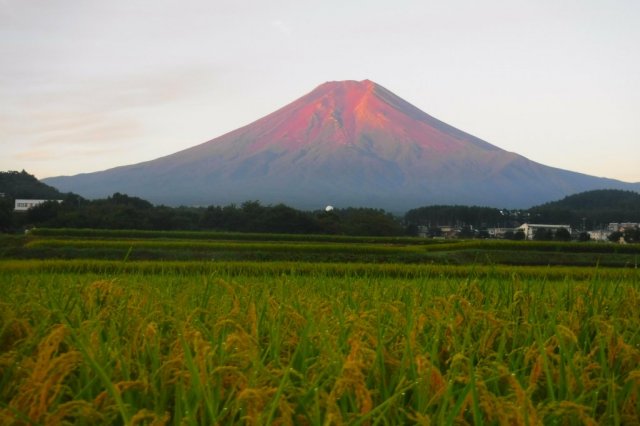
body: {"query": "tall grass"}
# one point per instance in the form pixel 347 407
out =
pixel 217 235
pixel 147 245
pixel 170 269
pixel 300 344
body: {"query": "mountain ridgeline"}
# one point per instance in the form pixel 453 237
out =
pixel 346 143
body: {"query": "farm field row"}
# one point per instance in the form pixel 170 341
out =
pixel 171 328
pixel 206 347
pixel 175 246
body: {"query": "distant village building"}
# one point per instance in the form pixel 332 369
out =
pixel 530 229
pixel 439 232
pixel 599 235
pixel 24 205
pixel 622 226
pixel 499 232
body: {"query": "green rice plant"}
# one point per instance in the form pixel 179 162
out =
pixel 286 343
pixel 224 236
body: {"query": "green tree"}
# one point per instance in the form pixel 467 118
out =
pixel 6 214
pixel 43 213
pixel 615 236
pixel 632 235
pixel 562 234
pixel 542 234
pixel 584 237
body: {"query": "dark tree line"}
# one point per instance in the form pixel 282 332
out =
pixel 121 211
pixel 591 210
pixel 464 216
pixel 628 236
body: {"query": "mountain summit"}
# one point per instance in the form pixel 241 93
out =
pixel 346 143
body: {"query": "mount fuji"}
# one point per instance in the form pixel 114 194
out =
pixel 346 143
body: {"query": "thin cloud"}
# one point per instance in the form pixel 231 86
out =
pixel 107 132
pixel 98 111
pixel 48 155
pixel 37 155
pixel 282 27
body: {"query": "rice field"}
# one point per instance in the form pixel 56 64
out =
pixel 156 342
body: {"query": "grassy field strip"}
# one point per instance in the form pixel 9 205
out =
pixel 321 269
pixel 224 246
pixel 383 245
pixel 223 236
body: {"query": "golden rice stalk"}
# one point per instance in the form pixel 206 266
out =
pixel 72 412
pixel 252 318
pixel 419 418
pixel 49 368
pixel 523 406
pixel 567 335
pixel 619 350
pixel 231 378
pixel 416 331
pixel 286 413
pixel 175 369
pixel 102 296
pixel 12 330
pixel 512 407
pixel 104 400
pixel 431 377
pixel 243 349
pixel 629 410
pixel 570 410
pixel 150 418
pixel 488 339
pixel 254 400
pixel 7 360
pixel 353 377
pixel 333 416
pixel 201 353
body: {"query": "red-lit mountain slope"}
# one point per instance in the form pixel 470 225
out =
pixel 346 143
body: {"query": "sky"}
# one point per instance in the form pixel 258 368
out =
pixel 86 85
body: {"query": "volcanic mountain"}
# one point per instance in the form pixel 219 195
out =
pixel 346 143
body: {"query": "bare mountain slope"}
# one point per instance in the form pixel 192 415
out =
pixel 346 143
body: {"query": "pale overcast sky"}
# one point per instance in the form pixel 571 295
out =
pixel 87 85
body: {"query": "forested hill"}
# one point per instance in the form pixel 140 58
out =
pixel 597 200
pixel 23 185
pixel 596 207
pixel 591 209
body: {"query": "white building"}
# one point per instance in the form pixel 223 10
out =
pixel 599 235
pixel 499 232
pixel 24 205
pixel 530 229
pixel 621 227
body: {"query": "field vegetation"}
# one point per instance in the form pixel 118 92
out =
pixel 100 327
pixel 233 247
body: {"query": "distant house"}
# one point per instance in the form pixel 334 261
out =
pixel 622 226
pixel 530 229
pixel 499 232
pixel 24 205
pixel 599 235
